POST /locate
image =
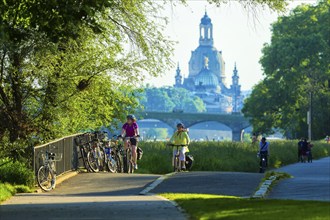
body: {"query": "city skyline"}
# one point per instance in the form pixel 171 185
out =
pixel 238 33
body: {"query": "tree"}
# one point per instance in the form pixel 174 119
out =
pixel 295 64
pixel 69 65
pixel 169 99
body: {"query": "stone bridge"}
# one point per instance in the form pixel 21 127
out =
pixel 236 122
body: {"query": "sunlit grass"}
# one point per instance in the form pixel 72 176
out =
pixel 203 206
pixel 224 156
pixel 7 190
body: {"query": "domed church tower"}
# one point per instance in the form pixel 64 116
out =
pixel 206 49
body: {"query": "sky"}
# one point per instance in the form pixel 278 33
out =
pixel 237 32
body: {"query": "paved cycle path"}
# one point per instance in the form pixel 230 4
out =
pixel 311 181
pixel 220 183
pixel 93 196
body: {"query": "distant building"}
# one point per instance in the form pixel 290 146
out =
pixel 207 77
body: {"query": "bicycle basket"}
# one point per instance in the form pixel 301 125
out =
pixel 139 153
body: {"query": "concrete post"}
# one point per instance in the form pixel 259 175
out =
pixel 236 134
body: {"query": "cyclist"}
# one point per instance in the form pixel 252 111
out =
pixel 263 151
pixel 181 137
pixel 254 138
pixel 130 131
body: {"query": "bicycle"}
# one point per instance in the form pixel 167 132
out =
pixel 263 162
pixel 46 175
pixel 83 141
pixel 95 156
pixel 128 165
pixel 111 159
pixel 176 159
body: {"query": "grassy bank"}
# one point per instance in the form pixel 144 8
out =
pixel 15 177
pixel 224 156
pixel 7 190
pixel 201 206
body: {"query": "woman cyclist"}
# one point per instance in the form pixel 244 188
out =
pixel 180 137
pixel 130 131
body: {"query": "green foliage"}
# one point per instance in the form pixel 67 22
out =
pixel 65 66
pixel 278 175
pixel 168 99
pixel 204 206
pixel 295 64
pixel 16 173
pixel 71 65
pixel 23 189
pixel 224 156
pixel 152 133
pixel 6 191
pixel 275 5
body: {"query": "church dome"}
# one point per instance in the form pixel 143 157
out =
pixel 206 78
pixel 206 19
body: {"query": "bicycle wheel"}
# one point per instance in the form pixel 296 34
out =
pixel 125 164
pixel 101 159
pixel 111 164
pixel 46 178
pixel 129 161
pixel 119 164
pixel 92 161
pixel 176 167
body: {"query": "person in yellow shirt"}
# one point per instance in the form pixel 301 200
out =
pixel 180 137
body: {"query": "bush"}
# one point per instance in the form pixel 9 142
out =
pixel 16 173
pixel 224 156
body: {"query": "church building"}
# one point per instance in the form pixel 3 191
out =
pixel 207 77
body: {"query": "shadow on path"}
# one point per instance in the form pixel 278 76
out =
pixel 92 196
pixel 220 183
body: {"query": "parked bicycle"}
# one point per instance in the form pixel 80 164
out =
pixel 112 155
pixel 95 155
pixel 83 141
pixel 46 175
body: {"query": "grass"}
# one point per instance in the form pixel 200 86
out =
pixel 224 156
pixel 202 206
pixel 7 190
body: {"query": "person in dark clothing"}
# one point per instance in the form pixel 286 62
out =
pixel 304 150
pixel 309 153
pixel 300 146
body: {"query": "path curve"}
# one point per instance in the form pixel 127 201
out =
pixel 311 181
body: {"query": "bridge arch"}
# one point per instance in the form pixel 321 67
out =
pixel 236 122
pixel 154 129
pixel 210 130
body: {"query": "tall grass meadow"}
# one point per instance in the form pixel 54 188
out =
pixel 224 156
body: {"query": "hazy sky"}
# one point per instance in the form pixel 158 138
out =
pixel 236 32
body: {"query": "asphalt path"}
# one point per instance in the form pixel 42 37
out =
pixel 311 181
pixel 220 183
pixel 92 196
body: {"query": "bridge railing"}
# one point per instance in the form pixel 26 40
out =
pixel 66 147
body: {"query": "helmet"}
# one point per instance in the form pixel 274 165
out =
pixel 132 117
pixel 180 125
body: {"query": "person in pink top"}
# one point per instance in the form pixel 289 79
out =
pixel 130 131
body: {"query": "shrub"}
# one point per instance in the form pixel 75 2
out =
pixel 16 173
